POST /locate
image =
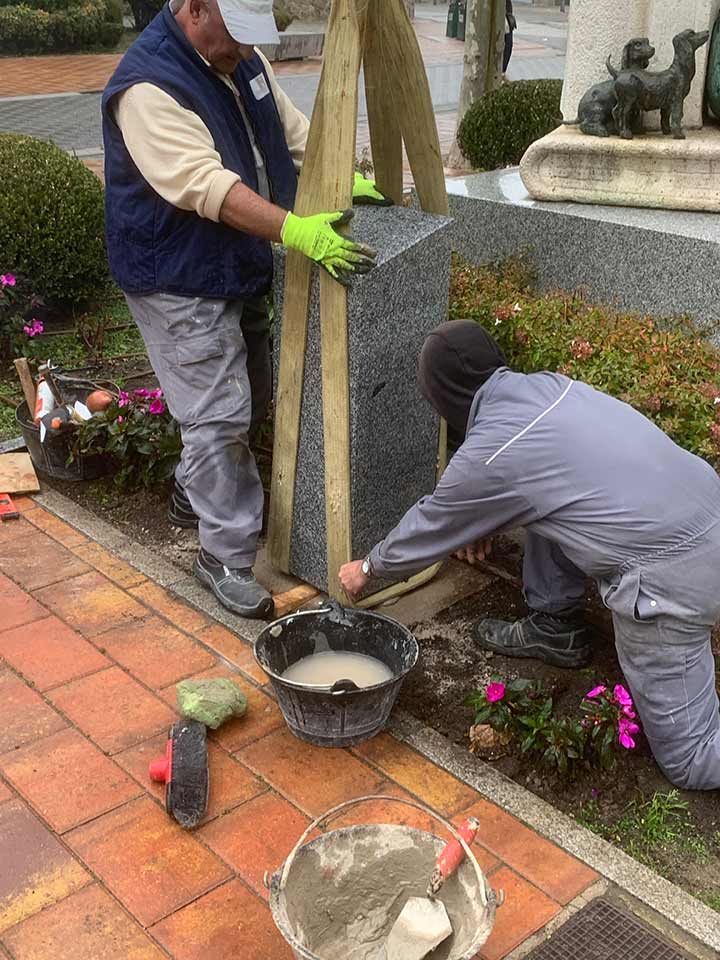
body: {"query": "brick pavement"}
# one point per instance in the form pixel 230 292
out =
pixel 90 651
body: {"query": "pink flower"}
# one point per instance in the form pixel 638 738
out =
pixel 595 692
pixel 141 393
pixel 594 793
pixel 121 419
pixel 495 692
pixel 626 728
pixel 8 280
pixel 629 712
pixel 154 394
pixel 123 401
pixel 35 328
pixel 156 407
pixel 622 696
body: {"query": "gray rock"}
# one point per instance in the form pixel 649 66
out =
pixel 393 430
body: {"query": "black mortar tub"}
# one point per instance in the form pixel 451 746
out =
pixel 336 716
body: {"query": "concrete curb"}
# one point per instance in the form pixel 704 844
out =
pixel 678 909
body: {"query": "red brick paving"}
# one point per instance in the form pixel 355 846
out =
pixel 112 709
pixel 88 925
pixel 90 666
pixel 67 779
pixel 48 653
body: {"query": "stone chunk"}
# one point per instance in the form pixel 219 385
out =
pixel 393 430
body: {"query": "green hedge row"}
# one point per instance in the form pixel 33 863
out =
pixel 24 29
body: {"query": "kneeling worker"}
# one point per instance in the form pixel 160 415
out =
pixel 601 492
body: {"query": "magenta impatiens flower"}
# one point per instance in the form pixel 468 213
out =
pixel 595 692
pixel 154 394
pixel 142 393
pixel 622 696
pixel 36 327
pixel 626 729
pixel 124 400
pixel 8 280
pixel 156 407
pixel 121 419
pixel 495 692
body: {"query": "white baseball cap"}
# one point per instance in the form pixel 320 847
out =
pixel 250 21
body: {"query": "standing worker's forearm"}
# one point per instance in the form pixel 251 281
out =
pixel 246 210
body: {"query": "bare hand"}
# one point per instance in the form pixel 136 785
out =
pixel 476 552
pixel 352 579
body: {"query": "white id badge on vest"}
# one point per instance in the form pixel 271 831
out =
pixel 259 86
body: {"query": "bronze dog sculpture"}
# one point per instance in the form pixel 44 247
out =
pixel 595 112
pixel 665 90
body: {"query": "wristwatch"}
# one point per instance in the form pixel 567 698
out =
pixel 367 567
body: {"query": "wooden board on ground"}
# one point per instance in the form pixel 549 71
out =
pixel 17 474
pixel 455 582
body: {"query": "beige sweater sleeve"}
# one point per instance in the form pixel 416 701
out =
pixel 175 152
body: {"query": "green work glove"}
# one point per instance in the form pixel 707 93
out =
pixel 365 191
pixel 317 237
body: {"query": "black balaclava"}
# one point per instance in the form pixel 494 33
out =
pixel 455 361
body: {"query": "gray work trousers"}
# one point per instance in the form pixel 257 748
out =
pixel 212 360
pixel 663 612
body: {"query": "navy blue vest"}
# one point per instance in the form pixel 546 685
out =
pixel 153 246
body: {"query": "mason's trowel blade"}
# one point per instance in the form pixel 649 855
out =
pixel 422 926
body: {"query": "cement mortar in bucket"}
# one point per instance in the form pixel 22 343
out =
pixel 337 897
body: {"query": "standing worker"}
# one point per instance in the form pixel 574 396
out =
pixel 510 28
pixel 601 492
pixel 202 149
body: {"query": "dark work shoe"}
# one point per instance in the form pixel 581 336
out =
pixel 558 640
pixel 180 513
pixel 238 590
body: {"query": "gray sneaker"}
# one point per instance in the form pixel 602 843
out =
pixel 555 639
pixel 238 590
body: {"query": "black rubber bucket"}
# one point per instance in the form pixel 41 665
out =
pixel 336 716
pixel 51 458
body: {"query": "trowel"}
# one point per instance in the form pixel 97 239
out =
pixel 424 922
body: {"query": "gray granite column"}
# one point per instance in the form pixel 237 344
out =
pixel 393 430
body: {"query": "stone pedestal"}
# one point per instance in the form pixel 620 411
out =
pixel 649 171
pixel 659 262
pixel 393 430
pixel 601 28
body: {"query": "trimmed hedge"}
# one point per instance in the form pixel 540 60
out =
pixel 51 222
pixel 59 25
pixel 499 127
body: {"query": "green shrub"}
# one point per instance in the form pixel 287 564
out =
pixel 59 25
pixel 51 221
pixel 283 17
pixel 666 370
pixel 499 127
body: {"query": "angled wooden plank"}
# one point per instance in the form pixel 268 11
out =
pixel 383 121
pixel 409 91
pixel 312 197
pixel 340 104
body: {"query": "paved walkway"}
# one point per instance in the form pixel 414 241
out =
pixel 92 868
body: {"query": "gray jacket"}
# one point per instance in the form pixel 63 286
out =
pixel 570 463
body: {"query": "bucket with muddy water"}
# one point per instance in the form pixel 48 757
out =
pixel 338 896
pixel 336 711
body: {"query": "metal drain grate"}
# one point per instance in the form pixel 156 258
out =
pixel 601 931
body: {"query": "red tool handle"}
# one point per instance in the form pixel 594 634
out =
pixel 452 855
pixel 161 770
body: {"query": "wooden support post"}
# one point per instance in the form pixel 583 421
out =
pixel 408 90
pixel 385 136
